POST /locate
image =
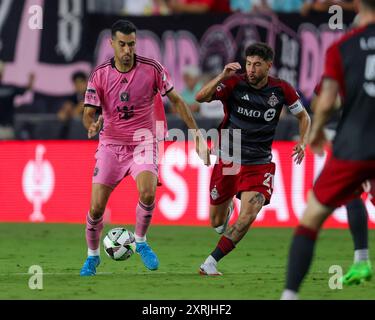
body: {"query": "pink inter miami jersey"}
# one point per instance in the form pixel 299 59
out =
pixel 130 101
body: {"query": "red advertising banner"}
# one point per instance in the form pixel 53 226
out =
pixel 50 181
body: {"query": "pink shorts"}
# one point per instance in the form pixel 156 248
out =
pixel 115 162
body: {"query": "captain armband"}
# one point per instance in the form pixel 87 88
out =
pixel 296 107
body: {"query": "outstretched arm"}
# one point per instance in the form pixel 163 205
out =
pixel 186 115
pixel 304 129
pixel 88 119
pixel 325 105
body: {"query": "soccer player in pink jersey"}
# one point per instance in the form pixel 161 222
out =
pixel 126 88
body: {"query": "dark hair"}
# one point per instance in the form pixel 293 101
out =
pixel 370 4
pixel 79 75
pixel 260 49
pixel 123 26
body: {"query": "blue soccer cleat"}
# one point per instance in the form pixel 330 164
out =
pixel 89 267
pixel 149 258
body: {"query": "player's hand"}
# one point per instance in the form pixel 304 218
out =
pixel 317 140
pixel 230 69
pixel 95 127
pixel 298 152
pixel 31 81
pixel 202 149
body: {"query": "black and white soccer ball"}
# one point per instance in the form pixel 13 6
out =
pixel 119 244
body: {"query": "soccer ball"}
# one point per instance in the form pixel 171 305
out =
pixel 119 244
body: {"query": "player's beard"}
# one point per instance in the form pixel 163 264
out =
pixel 254 80
pixel 127 60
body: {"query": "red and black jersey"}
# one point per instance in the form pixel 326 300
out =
pixel 351 62
pixel 256 113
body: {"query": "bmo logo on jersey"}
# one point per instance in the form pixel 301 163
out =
pixel 268 115
pixel 249 113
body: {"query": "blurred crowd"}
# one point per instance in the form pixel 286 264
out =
pixel 61 118
pixel 165 7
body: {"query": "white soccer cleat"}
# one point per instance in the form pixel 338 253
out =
pixel 209 269
pixel 221 229
pixel 289 295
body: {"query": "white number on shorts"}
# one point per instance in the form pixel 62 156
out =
pixel 268 182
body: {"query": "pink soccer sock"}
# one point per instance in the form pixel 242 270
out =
pixel 143 220
pixel 93 232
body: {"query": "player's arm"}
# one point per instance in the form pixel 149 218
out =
pixel 93 101
pixel 186 115
pixel 207 92
pixel 324 107
pixel 93 126
pixel 304 123
pixel 314 101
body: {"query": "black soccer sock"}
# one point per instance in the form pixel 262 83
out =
pixel 300 256
pixel 224 246
pixel 357 219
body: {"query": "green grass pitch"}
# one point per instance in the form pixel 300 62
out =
pixel 254 270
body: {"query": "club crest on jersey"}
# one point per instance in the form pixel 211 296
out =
pixel 124 97
pixel 214 193
pixel 273 101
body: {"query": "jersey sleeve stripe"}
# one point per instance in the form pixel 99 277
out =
pixel 163 95
pixel 91 106
pixel 150 60
pixel 103 65
pixel 153 63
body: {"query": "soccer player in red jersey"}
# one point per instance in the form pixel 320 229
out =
pixel 127 89
pixel 252 104
pixel 349 68
pixel 356 211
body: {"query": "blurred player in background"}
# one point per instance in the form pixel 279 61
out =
pixel 349 68
pixel 7 109
pixel 252 103
pixel 356 210
pixel 125 88
pixel 73 106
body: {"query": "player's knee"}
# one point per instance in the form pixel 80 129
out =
pixel 216 221
pixel 253 215
pixel 97 211
pixel 250 214
pixel 147 196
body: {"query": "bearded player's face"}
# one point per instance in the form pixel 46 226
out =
pixel 124 47
pixel 257 69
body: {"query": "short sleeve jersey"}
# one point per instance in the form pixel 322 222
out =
pixel 351 62
pixel 256 113
pixel 127 99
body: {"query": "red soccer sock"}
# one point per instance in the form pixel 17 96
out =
pixel 224 246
